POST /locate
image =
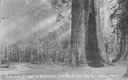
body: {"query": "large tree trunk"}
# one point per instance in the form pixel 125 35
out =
pixel 76 32
pixel 101 44
pixel 91 43
pixel 92 51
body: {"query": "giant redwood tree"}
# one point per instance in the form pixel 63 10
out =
pixel 84 15
pixel 92 51
pixel 76 29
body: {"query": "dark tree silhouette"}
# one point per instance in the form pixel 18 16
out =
pixel 84 11
pixel 92 51
pixel 121 13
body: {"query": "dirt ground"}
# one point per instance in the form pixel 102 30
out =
pixel 26 71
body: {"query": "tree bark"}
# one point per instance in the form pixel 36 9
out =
pixel 84 15
pixel 101 44
pixel 77 24
pixel 92 51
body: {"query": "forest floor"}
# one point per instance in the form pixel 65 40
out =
pixel 26 71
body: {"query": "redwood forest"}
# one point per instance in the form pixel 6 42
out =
pixel 64 39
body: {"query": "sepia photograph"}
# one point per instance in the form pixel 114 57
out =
pixel 63 39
